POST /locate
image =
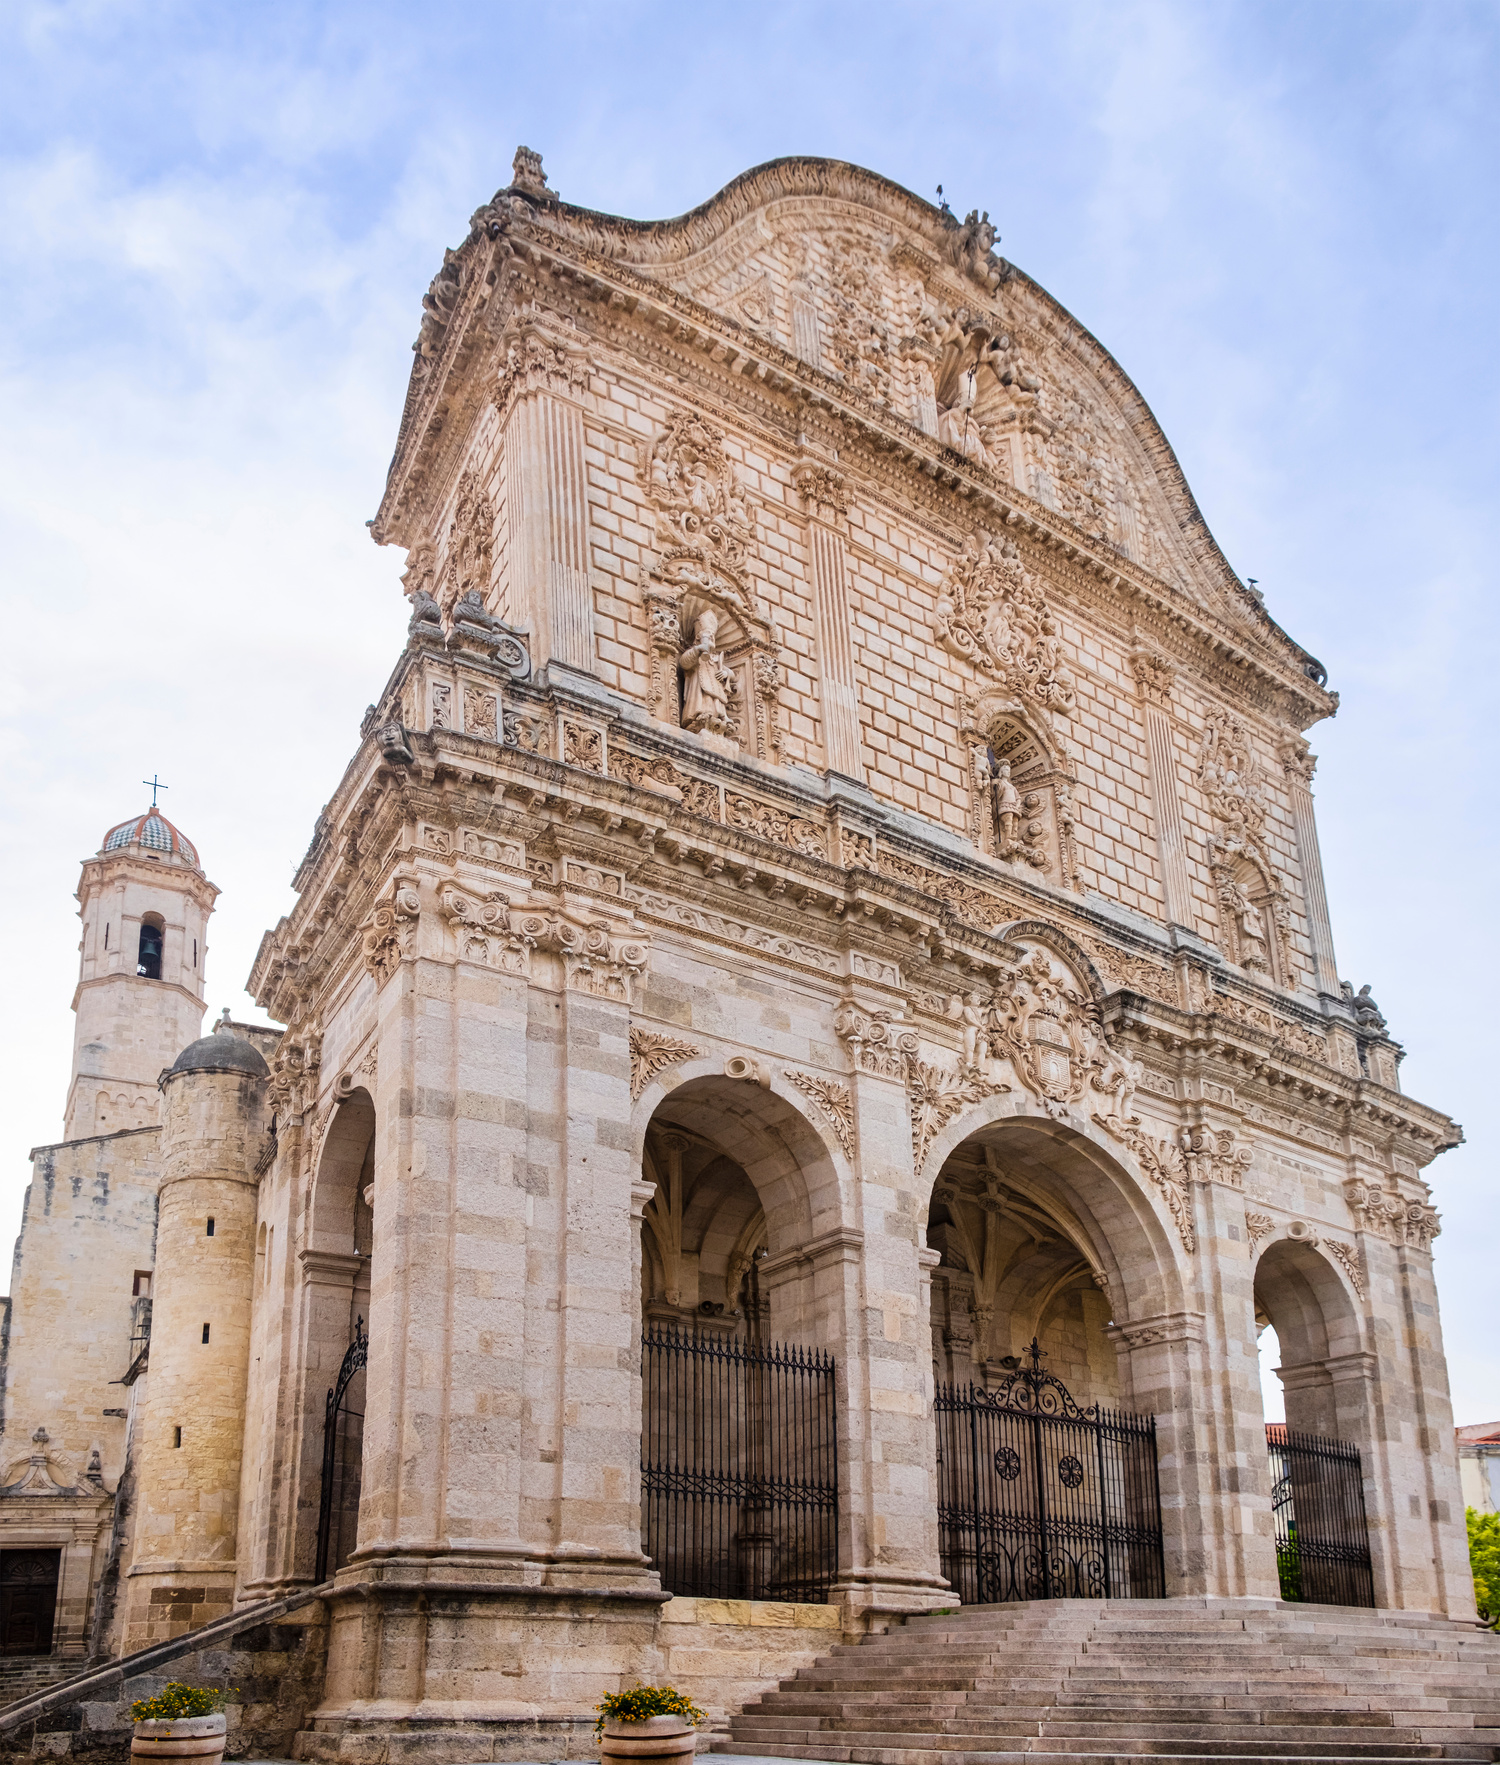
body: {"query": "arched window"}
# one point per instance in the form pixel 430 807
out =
pixel 148 962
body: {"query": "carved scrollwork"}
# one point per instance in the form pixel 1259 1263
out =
pixel 877 1041
pixel 991 614
pixel 484 933
pixel 390 933
pixel 598 957
pixel 1214 1157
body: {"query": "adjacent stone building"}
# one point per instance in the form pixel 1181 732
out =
pixel 831 876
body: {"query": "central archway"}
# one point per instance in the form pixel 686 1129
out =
pixel 1052 1386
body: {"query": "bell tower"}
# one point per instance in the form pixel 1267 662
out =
pixel 144 902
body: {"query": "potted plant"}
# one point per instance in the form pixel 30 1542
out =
pixel 648 1722
pixel 180 1722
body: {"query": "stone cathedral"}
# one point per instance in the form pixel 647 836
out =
pixel 811 1051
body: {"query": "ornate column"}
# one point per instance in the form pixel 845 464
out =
pixel 545 381
pixel 1299 764
pixel 827 501
pixel 1154 676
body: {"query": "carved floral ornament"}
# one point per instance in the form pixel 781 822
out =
pixel 1037 1029
pixel 715 665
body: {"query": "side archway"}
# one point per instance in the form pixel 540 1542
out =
pixel 335 1306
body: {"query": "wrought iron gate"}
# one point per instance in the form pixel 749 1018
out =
pixel 739 1467
pixel 343 1442
pixel 1318 1498
pixel 1039 1499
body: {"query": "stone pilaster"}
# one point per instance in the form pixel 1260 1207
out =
pixel 1298 764
pixel 827 502
pixel 888 1555
pixel 1154 678
pixel 443 1423
pixel 544 452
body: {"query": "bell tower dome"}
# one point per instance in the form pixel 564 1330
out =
pixel 144 902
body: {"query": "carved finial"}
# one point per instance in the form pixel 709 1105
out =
pixel 41 1437
pixel 527 175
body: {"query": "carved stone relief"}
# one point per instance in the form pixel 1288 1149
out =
pixel 1254 912
pixel 390 934
pixel 714 666
pixel 651 1054
pixel 832 1100
pixel 991 614
pixel 1021 783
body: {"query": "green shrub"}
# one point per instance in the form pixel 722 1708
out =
pixel 1484 1559
pixel 178 1701
pixel 643 1702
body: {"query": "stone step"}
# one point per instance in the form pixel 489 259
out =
pixel 1040 1754
pixel 939 1749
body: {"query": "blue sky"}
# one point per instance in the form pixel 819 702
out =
pixel 216 224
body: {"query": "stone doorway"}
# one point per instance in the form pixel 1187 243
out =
pixel 28 1600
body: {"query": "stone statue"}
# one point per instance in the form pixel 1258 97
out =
pixel 971 1016
pixel 705 679
pixel 1007 807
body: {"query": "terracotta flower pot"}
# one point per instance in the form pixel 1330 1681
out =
pixel 666 1738
pixel 199 1738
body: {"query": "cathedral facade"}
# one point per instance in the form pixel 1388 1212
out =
pixel 830 888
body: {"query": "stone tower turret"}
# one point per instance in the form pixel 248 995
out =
pixel 144 902
pixel 189 1429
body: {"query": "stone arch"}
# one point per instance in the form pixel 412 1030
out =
pixel 794 1160
pixel 345 1169
pixel 1127 1232
pixel 1039 931
pixel 334 1298
pixel 756 1181
pixel 1324 1360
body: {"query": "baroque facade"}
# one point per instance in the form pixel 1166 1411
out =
pixel 835 861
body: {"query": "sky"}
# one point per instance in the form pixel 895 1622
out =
pixel 216 226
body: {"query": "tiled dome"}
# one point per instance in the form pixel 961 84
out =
pixel 154 833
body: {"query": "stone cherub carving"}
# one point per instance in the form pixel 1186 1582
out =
pixel 707 682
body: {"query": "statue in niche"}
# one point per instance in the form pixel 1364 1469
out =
pixel 1007 805
pixel 706 682
pixel 1254 949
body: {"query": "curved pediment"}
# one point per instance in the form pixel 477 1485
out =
pixel 909 305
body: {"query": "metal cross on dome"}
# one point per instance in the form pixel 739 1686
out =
pixel 156 785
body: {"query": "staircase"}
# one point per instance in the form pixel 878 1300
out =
pixel 1086 1682
pixel 23 1676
